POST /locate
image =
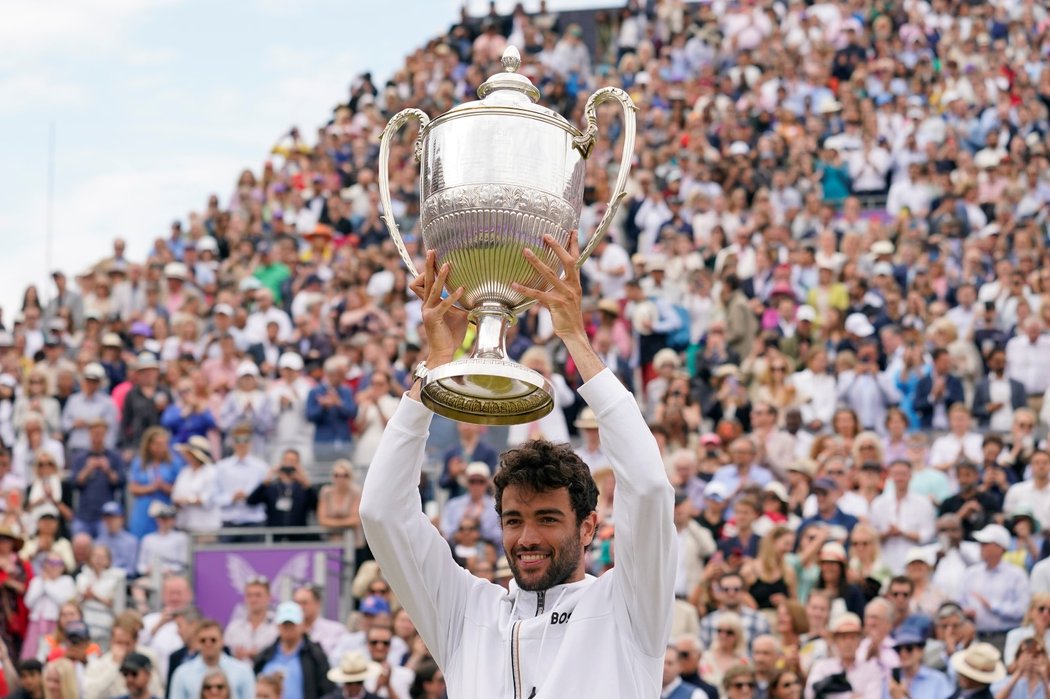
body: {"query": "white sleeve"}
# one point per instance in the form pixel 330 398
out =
pixel 414 558
pixel 646 546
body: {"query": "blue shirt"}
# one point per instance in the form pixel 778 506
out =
pixel 839 519
pixel 124 548
pixel 729 476
pixel 288 665
pixel 97 489
pixel 186 682
pixel 332 423
pixel 928 684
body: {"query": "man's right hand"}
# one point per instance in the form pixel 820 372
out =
pixel 445 324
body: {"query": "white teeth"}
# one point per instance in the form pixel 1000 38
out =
pixel 532 556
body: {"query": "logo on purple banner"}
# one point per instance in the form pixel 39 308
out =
pixel 220 575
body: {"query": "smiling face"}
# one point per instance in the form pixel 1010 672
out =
pixel 543 540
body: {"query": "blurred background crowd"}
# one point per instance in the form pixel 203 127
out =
pixel 828 286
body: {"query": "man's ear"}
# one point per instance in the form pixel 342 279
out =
pixel 588 527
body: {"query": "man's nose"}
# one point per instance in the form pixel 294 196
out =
pixel 530 535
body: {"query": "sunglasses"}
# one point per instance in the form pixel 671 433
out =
pixel 742 685
pixel 731 589
pixel 340 475
pixel 213 687
pixel 726 632
pixel 209 640
pixel 907 648
pixel 790 683
pixel 129 673
pixel 377 642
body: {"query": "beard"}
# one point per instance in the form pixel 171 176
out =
pixel 563 561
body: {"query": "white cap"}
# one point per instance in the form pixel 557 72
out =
pixel 207 243
pixel 883 269
pixel 290 360
pixel 716 491
pixel 987 159
pixel 990 230
pixel 176 270
pixel 477 468
pixel 223 309
pixel 882 247
pixel 921 554
pixel 247 368
pixel 806 312
pixel 777 489
pixel 994 534
pixel 739 148
pixel 949 96
pixel 95 371
pixel 859 325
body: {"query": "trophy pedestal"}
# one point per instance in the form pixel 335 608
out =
pixel 488 388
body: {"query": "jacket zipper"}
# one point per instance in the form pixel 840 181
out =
pixel 515 647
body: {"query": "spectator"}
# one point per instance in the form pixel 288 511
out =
pixel 978 667
pixel 392 680
pixel 136 670
pixel 324 632
pixel 60 680
pixel 47 542
pixel 1036 624
pixel 375 405
pixel 151 479
pixel 338 506
pixel 728 649
pixel 903 519
pixel 915 678
pixel 44 597
pixel 192 677
pixel 331 407
pixel 862 675
pixel 15 577
pixel 247 636
pixel 166 550
pixel 143 404
pixel 673 684
pixel 159 630
pixel 98 586
pixel 288 396
pixel 87 408
pixel 107 676
pixel 286 493
pixel 236 477
pixel 995 594
pixel 194 492
pixel 477 504
pixel 731 596
pixel 468 449
pixel 247 404
pixel 294 655
pixel 997 395
pixel 350 676
pixel 122 545
pixel 1031 494
pixel 938 391
pixel 98 475
pixel 30 679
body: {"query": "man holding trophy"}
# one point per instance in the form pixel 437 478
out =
pixel 502 189
pixel 539 639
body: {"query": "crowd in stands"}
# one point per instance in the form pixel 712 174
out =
pixel 829 287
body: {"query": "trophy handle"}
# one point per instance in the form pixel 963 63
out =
pixel 585 142
pixel 392 127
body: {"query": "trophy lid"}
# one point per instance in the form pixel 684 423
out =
pixel 506 84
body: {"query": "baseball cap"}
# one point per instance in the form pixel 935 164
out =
pixel 141 328
pixel 918 554
pixel 290 360
pixel 994 534
pixel 883 269
pixel 112 509
pixel 223 309
pixel 833 551
pixel 134 662
pixel 824 483
pixel 710 440
pixel 77 631
pixel 146 360
pixel 374 604
pixel 288 613
pixel 159 509
pixel 716 491
pixel 94 371
pixel 908 638
pixel 806 313
pixel 859 325
pixel 478 468
pixel 247 368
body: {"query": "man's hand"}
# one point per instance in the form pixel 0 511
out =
pixel 445 324
pixel 564 300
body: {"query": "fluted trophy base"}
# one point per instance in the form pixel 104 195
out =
pixel 488 392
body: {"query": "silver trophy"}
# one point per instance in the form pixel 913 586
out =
pixel 498 174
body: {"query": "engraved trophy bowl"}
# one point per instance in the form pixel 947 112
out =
pixel 497 175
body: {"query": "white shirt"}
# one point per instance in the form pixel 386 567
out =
pixel 999 392
pixel 1039 582
pixel 913 514
pixel 170 551
pixel 1004 587
pixel 401 679
pixel 255 329
pixel 234 474
pixel 817 397
pixel 950 575
pixel 164 642
pixel 192 484
pixel 1026 494
pixel 1026 362
pixel 949 447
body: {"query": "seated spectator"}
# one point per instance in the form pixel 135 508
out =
pixel 60 679
pixel 477 504
pixel 350 674
pixel 100 588
pixel 30 680
pixel 325 632
pixel 46 492
pixel 247 404
pixel 1036 624
pixel 159 630
pixel 374 610
pixel 248 635
pixel 915 678
pixel 47 541
pixel 730 596
pixel 165 550
pixel 106 677
pixel 392 680
pixel 727 650
pixel 337 505
pixel 122 544
pixel 863 675
pixel 188 679
pixel 294 655
pixel 137 671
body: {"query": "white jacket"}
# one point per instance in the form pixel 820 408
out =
pixel 599 637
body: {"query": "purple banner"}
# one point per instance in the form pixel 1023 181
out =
pixel 220 575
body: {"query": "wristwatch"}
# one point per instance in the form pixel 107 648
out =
pixel 420 373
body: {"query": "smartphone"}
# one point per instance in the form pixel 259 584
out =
pixel 896 673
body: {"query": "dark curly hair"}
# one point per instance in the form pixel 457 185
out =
pixel 540 466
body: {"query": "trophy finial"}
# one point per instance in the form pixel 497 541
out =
pixel 511 58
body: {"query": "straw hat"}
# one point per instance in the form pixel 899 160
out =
pixel 353 667
pixel 586 420
pixel 198 447
pixel 980 662
pixel 7 532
